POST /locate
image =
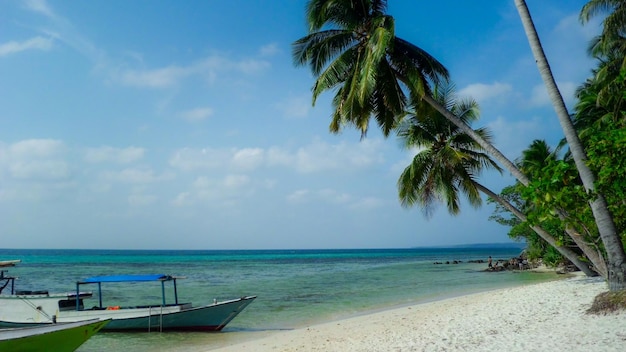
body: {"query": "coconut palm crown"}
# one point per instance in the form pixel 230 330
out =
pixel 448 161
pixel 352 49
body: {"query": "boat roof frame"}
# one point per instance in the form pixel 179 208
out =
pixel 128 278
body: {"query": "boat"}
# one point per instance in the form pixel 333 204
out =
pixel 31 308
pixel 7 263
pixel 60 337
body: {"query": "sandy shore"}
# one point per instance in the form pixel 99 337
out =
pixel 542 317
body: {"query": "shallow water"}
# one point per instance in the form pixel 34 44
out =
pixel 294 288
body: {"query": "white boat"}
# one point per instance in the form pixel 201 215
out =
pixel 7 263
pixel 49 337
pixel 30 308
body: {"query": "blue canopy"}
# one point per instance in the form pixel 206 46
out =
pixel 127 278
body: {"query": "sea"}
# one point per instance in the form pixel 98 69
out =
pixel 294 288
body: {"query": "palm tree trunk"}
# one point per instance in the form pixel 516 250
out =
pixel 545 235
pixel 593 254
pixel 606 227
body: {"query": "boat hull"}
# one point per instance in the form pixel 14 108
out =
pixel 179 317
pixel 49 337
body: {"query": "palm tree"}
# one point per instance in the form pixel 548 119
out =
pixel 449 161
pixel 352 48
pixel 606 227
pixel 610 49
pixel 592 112
pixel 614 25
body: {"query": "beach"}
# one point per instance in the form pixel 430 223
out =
pixel 548 316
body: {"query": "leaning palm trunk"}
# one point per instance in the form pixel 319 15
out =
pixel 591 252
pixel 616 256
pixel 546 236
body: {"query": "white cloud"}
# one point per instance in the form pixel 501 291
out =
pixel 568 92
pixel 317 156
pixel 188 159
pixel 398 167
pixel 295 107
pixel 248 158
pixel 367 203
pixel 298 196
pixel 569 59
pixel 36 43
pixel 320 156
pixel 62 30
pixel 39 169
pixel 331 196
pixel 174 74
pixel 39 6
pixel 511 137
pixel 251 66
pixel 202 182
pixel 269 49
pixel 197 114
pixel 279 156
pixel 216 191
pixel 35 159
pixel 115 155
pixel 138 175
pixel 157 78
pixel 236 181
pixel 571 30
pixel 539 96
pixel 484 92
pixel 138 199
pixel 182 199
pixel 36 148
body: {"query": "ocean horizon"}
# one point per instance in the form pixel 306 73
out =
pixel 294 288
pixel 510 245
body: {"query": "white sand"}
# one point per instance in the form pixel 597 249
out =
pixel 542 317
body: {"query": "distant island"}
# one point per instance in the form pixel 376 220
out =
pixel 516 245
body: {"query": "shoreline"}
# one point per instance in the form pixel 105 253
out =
pixel 545 316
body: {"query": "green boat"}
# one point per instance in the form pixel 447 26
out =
pixel 61 337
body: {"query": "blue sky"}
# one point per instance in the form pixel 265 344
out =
pixel 185 125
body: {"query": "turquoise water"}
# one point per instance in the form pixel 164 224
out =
pixel 294 287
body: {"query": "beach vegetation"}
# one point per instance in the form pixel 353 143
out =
pixel 609 302
pixel 352 49
pixel 604 222
pixel 536 247
pixel 554 201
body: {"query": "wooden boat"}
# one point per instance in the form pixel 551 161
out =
pixel 7 263
pixel 28 308
pixel 49 337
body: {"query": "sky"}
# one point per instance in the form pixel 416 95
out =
pixel 163 124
